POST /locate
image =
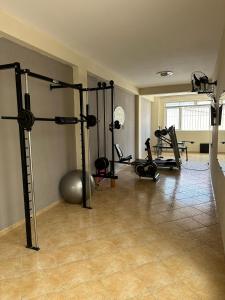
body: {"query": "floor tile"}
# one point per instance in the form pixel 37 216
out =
pixel 140 241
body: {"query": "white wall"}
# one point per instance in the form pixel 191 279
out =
pixel 217 175
pixel 23 33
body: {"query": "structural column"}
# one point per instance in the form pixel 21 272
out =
pixel 80 76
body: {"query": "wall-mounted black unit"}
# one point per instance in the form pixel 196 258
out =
pixel 214 115
pixel 204 148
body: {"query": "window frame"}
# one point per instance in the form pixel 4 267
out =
pixel 170 108
pixel 195 104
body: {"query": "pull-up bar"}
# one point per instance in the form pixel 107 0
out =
pixel 54 81
pixel 101 86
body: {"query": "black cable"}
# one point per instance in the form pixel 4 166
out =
pixel 97 108
pixel 104 107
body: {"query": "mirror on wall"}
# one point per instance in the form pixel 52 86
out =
pixel 119 115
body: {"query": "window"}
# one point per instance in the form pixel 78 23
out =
pixel 204 102
pixel 173 117
pixel 193 115
pixel 195 118
pixel 222 126
pixel 179 104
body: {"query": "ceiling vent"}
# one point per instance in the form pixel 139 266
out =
pixel 165 73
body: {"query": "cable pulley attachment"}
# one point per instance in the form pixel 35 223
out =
pixel 89 119
pixel 116 125
pixel 66 120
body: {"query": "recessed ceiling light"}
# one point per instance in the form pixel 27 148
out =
pixel 165 73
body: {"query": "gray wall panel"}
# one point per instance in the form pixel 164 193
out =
pixel 53 146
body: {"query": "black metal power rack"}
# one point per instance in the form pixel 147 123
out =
pixel 105 167
pixel 24 109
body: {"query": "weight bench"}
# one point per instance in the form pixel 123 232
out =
pixel 127 159
pixel 119 152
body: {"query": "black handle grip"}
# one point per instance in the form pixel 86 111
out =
pixel 66 120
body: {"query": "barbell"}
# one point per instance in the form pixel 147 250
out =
pixel 26 119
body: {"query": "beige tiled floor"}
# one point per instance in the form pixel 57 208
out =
pixel 141 241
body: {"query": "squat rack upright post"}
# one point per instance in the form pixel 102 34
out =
pixel 19 96
pixel 112 165
pixel 84 180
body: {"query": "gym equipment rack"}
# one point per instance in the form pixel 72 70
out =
pixel 26 121
pixel 105 168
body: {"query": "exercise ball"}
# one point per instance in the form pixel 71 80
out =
pixel 70 186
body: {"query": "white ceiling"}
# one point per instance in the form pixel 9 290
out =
pixel 135 38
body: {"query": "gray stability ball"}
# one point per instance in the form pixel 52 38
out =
pixel 70 186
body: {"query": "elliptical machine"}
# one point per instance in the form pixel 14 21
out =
pixel 147 168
